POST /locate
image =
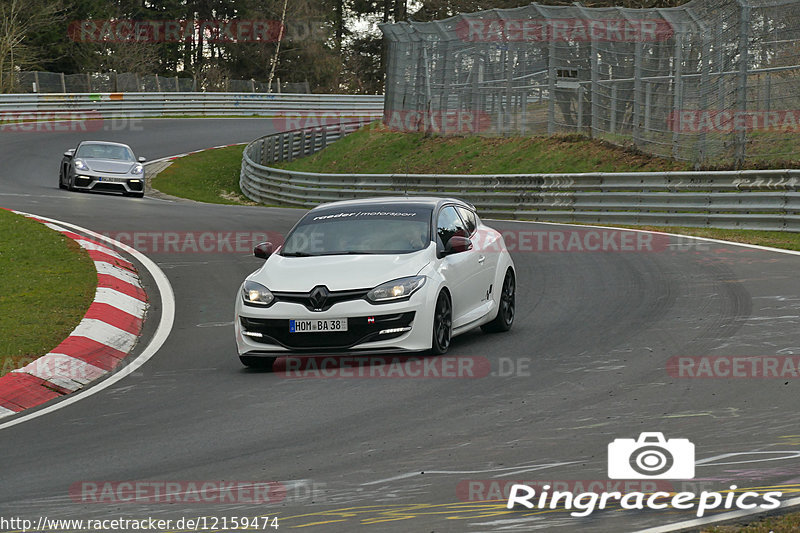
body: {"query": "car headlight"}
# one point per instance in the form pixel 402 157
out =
pixel 399 289
pixel 137 169
pixel 256 294
pixel 80 165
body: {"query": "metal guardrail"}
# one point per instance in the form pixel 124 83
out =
pixel 749 199
pixel 15 107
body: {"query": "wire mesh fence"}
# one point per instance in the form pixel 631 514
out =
pixel 715 82
pixel 54 82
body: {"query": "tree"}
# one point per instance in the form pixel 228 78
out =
pixel 19 19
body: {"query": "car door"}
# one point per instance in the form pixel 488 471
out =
pixel 462 270
pixel 488 248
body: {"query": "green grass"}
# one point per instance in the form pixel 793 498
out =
pixel 374 149
pixel 774 239
pixel 211 176
pixel 789 523
pixel 47 283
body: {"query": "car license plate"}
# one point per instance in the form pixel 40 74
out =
pixel 318 326
pixel 113 180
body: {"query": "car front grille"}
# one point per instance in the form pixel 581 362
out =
pixel 359 330
pixel 331 298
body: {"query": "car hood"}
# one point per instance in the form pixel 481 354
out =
pixel 110 166
pixel 338 272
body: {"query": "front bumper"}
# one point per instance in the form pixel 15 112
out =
pixel 396 327
pixel 96 181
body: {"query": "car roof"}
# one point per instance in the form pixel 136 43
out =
pixel 431 202
pixel 106 143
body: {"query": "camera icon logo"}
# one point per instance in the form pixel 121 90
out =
pixel 651 457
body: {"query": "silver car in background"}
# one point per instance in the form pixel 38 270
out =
pixel 102 166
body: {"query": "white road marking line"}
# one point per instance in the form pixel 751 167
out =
pixel 679 526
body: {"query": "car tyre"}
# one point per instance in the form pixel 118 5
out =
pixel 70 184
pixel 257 363
pixel 442 324
pixel 61 181
pixel 507 308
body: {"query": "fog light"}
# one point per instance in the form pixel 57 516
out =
pixel 393 330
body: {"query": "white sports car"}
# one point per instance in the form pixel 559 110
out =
pixel 374 276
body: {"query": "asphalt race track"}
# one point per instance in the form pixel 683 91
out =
pixel 584 364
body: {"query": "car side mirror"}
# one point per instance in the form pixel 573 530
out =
pixel 263 250
pixel 457 244
pixel 69 153
pixel 142 159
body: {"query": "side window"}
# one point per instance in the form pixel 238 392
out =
pixel 449 224
pixel 469 219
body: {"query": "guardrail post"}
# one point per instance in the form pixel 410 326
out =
pixel 290 154
pixel 324 137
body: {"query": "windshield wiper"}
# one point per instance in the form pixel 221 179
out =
pixel 296 254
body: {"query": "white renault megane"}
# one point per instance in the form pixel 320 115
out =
pixel 373 276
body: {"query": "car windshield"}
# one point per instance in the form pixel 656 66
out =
pixel 365 230
pixel 104 151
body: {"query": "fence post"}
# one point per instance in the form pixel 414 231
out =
pixel 705 66
pixel 676 93
pixel 612 128
pixel 551 87
pixel 637 93
pixel 741 90
pixel 63 83
pixel 648 96
pixel 580 108
pixel 158 84
pixel 88 82
pixel 595 95
pixel 38 87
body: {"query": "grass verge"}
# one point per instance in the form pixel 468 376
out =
pixel 47 283
pixel 788 523
pixel 375 149
pixel 211 176
pixel 774 239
